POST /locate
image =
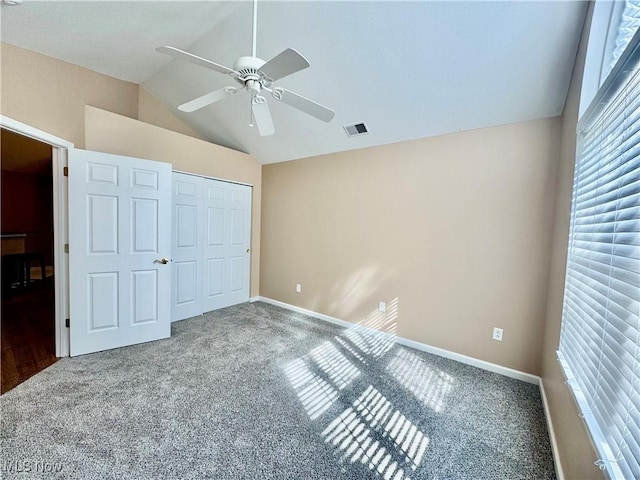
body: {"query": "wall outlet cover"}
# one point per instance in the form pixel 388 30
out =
pixel 497 334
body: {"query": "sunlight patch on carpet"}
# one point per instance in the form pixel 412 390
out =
pixel 376 434
pixel 428 384
pixel 319 376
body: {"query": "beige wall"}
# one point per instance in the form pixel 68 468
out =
pixel 111 133
pixel 576 452
pixel 454 229
pixel 151 110
pixel 49 94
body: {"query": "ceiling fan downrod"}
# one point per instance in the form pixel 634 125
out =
pixel 255 27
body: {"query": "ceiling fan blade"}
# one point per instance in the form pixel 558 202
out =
pixel 283 64
pixel 190 57
pixel 207 99
pixel 303 104
pixel 262 116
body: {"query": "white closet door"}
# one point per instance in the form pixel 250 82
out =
pixel 227 242
pixel 211 241
pixel 239 242
pixel 188 236
pixel 119 234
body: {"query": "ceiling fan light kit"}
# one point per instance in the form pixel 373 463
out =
pixel 255 76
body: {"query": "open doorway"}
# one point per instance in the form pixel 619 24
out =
pixel 28 290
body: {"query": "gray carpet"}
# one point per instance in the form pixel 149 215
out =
pixel 255 391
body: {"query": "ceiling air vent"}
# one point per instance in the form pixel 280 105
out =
pixel 357 129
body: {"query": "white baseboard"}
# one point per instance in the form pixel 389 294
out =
pixel 491 367
pixel 310 313
pixel 253 299
pixel 552 433
pixel 474 362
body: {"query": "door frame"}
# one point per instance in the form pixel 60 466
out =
pixel 59 148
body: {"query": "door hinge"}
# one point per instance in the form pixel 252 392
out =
pixel 67 323
pixel 66 248
pixel 65 171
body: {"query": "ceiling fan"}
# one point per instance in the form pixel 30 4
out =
pixel 255 76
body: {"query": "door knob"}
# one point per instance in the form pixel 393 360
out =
pixel 163 261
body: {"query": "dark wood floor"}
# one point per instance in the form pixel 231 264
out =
pixel 28 342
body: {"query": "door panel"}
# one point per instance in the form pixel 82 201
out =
pixel 187 219
pixel 237 274
pixel 144 179
pixel 144 225
pixel 103 300
pixel 237 227
pixel 239 241
pixel 215 233
pixel 215 277
pixel 145 296
pixel 217 281
pixel 119 292
pixel 187 282
pixel 227 246
pixel 103 224
pixel 102 174
pixel 186 296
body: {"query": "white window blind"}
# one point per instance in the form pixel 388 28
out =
pixel 629 23
pixel 600 336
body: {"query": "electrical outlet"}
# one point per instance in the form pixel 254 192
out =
pixel 497 334
pixel 382 307
pixel 298 287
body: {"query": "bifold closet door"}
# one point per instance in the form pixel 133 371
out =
pixel 211 244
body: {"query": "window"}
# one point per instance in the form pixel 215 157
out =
pixel 613 25
pixel 628 24
pixel 600 336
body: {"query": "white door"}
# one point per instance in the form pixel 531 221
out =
pixel 187 249
pixel 238 243
pixel 119 234
pixel 227 242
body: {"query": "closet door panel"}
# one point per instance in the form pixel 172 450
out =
pixel 187 274
pixel 227 247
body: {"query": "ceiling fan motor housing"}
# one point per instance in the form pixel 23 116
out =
pixel 250 75
pixel 248 66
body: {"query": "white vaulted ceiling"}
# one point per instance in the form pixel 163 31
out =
pixel 407 69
